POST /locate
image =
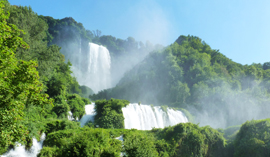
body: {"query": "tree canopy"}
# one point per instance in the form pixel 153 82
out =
pixel 19 84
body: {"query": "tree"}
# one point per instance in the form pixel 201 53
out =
pixel 19 84
pixel 266 65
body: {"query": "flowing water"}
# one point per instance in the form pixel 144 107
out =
pixel 96 74
pixel 20 151
pixel 89 114
pixel 142 117
pixel 146 117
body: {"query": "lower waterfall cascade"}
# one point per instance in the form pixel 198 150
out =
pixel 142 117
pixel 89 114
pixel 19 151
pixel 145 117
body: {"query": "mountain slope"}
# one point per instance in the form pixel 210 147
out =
pixel 190 74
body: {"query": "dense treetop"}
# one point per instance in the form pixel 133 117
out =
pixel 20 86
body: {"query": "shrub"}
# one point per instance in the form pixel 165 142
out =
pixel 55 125
pixel 77 105
pixel 109 113
pixel 253 139
pixel 139 144
pixel 83 142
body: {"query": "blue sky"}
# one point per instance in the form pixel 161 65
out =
pixel 240 29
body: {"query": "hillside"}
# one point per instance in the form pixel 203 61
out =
pixel 189 74
pixel 74 41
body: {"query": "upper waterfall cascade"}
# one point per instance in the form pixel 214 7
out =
pixel 142 117
pixel 96 72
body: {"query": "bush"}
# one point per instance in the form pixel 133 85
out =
pixel 109 113
pixel 139 144
pixel 77 105
pixel 55 125
pixel 187 139
pixel 82 142
pixel 61 110
pixel 48 152
pixel 253 139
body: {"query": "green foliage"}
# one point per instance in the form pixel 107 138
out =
pixel 109 113
pixel 139 144
pixel 34 119
pixel 187 139
pixel 253 139
pixel 164 108
pixel 90 124
pixel 48 152
pixel 189 116
pixel 55 125
pixel 53 72
pixel 86 100
pixel 86 91
pixel 19 84
pixel 189 74
pixel 61 81
pixel 153 108
pixel 23 69
pixel 61 110
pixel 77 105
pixel 82 142
pixel 186 73
pixel 230 132
pixel 35 34
pixel 163 148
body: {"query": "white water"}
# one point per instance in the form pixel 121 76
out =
pixel 20 151
pixel 142 117
pixel 70 116
pixel 89 114
pixel 96 74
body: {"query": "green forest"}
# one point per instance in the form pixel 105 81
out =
pixel 189 74
pixel 37 91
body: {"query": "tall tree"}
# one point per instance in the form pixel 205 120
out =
pixel 19 84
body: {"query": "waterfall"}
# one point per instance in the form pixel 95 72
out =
pixel 142 117
pixel 99 67
pixel 20 151
pixel 96 73
pixel 89 114
pixel 145 117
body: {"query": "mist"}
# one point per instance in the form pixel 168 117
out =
pixel 101 65
pixel 152 22
pixel 224 107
